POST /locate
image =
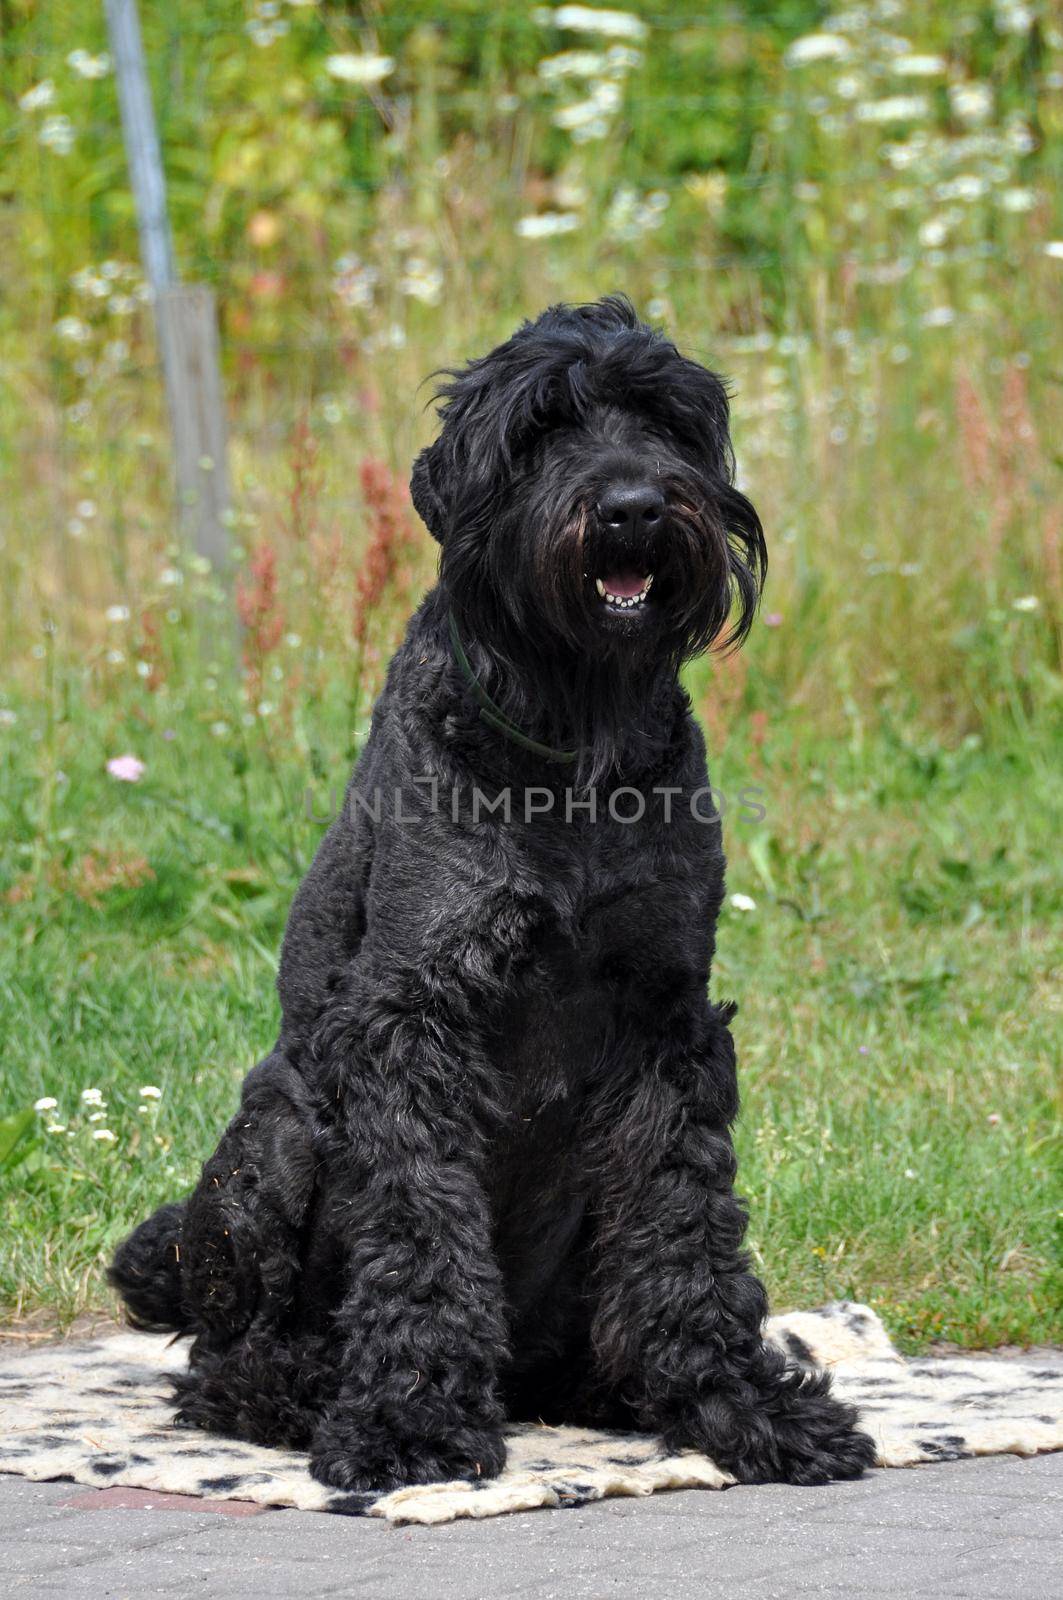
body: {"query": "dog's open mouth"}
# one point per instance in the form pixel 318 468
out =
pixel 626 589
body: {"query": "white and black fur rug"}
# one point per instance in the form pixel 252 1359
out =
pixel 99 1412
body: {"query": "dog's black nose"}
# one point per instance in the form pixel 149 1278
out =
pixel 631 508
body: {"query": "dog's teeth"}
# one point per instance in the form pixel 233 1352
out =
pixel 620 601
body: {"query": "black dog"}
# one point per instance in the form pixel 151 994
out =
pixel 486 1171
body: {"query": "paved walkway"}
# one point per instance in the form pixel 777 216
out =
pixel 991 1529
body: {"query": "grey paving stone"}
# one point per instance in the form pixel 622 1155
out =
pixel 976 1530
pixel 1006 1475
pixel 25 1505
pixel 24 1491
pixel 1012 1568
pixel 889 1561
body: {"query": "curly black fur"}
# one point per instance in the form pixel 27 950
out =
pixel 487 1170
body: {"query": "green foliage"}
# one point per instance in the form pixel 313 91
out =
pixel 865 234
pixel 900 1139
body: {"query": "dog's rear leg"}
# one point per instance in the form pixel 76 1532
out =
pixel 680 1318
pixel 225 1264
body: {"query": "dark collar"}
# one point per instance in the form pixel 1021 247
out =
pixel 492 714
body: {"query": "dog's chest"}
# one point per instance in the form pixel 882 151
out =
pixel 575 999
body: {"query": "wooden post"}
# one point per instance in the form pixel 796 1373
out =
pixel 187 326
pixel 186 322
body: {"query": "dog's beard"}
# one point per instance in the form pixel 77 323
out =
pixel 566 666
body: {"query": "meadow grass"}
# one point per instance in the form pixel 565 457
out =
pixel 898 1031
pixel 864 235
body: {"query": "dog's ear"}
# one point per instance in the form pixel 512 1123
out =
pixel 426 491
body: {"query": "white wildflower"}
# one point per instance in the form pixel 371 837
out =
pixel 938 317
pixel 42 94
pixel 57 134
pixel 894 108
pixel 362 69
pixel 572 64
pixel 105 1134
pixel 971 102
pixel 1054 248
pixel 45 1103
pixel 149 1091
pixel 1012 17
pixel 87 65
pixel 582 115
pixel 965 186
pixel 629 217
pixel 547 224
pixel 1026 602
pixel 934 232
pixel 850 86
pixel 117 613
pixel 73 330
pixel 263 34
pixel 570 193
pixel 621 59
pixel 902 157
pixel 55 1127
pixel 423 282
pixel 354 281
pixel 93 1097
pixel 588 19
pixel 743 902
pixel 1018 200
pixel 817 47
pixel 90 282
pixel 919 66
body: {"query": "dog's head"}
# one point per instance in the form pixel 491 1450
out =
pixel 583 483
pixel 582 489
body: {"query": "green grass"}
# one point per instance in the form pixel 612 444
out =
pixel 898 1033
pixel 844 241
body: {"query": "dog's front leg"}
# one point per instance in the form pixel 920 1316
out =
pixel 422 1325
pixel 679 1324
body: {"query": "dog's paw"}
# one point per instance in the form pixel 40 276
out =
pixel 385 1464
pixel 800 1435
pixel 809 1450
